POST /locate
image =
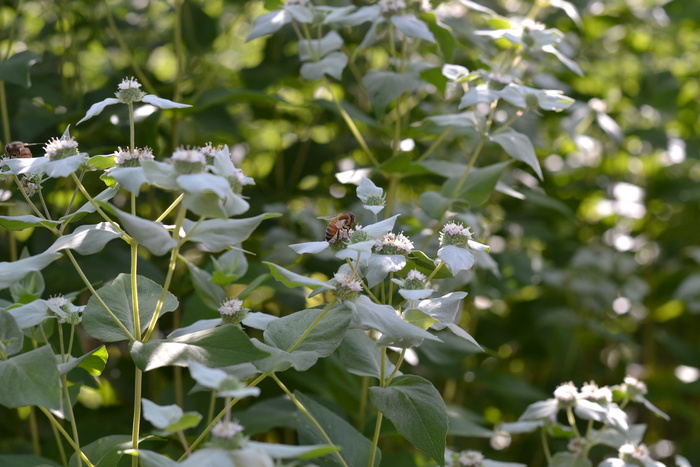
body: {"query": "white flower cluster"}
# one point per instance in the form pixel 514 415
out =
pixel 455 234
pixel 189 155
pixel 58 300
pixel 61 148
pixel 232 311
pixel 592 392
pixel 226 430
pixel 633 454
pixel 129 83
pixel 129 158
pixel 393 244
pixel 566 394
pixel 470 458
pixel 633 387
pixel 348 287
pixel 391 6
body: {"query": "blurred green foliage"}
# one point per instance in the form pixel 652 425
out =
pixel 598 262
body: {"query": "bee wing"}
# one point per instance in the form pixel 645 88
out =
pixel 327 218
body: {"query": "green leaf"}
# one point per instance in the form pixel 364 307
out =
pixel 479 185
pixel 412 27
pixel 211 294
pixel 221 346
pixel 16 68
pixel 269 23
pixel 101 162
pixel 443 34
pixel 129 178
pixel 322 340
pixel 117 295
pixel 284 451
pixel 519 147
pixel 104 452
pixel 229 267
pixel 87 239
pixel 312 50
pixel 219 234
pixel 419 318
pixel 332 65
pixel 161 174
pixel 11 336
pixel 434 204
pixel 355 448
pixel 13 271
pixel 402 164
pixel 170 418
pixel 385 86
pixel 18 223
pixel 29 288
pixel 151 235
pixel 93 362
pixel 361 355
pixel 417 411
pixel 30 378
pixel 466 119
pixel 292 279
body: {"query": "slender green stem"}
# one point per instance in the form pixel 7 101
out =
pixel 438 141
pixel 136 426
pixel 183 441
pixel 545 445
pixel 4 113
pixel 357 274
pixel 313 420
pixel 172 206
pixel 132 131
pixel 34 430
pixel 60 343
pixel 135 290
pixel 94 293
pixel 73 423
pixel 353 128
pixel 396 367
pixel 378 424
pixel 363 404
pixel 65 434
pixel 70 340
pixel 212 407
pixel 99 210
pixel 43 205
pixel 72 201
pixel 169 276
pixel 59 444
pixel 435 271
pixel 572 421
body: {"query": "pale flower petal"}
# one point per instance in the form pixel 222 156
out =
pixel 97 108
pixel 457 259
pixel 162 103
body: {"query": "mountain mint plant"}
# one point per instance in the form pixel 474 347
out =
pixel 394 290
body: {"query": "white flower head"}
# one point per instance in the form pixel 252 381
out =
pixel 31 184
pixel 470 458
pixel 634 454
pixel 391 6
pixel 232 311
pixel 61 148
pixel 592 392
pixel 455 234
pixel 347 286
pixel 566 394
pixel 393 244
pixel 64 310
pixel 129 158
pixel 228 435
pixel 633 387
pixel 58 301
pixel 188 161
pixel 129 91
pixel 209 151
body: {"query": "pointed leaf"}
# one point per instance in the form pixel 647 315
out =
pixel 385 86
pixel 311 50
pixel 151 235
pixel 332 65
pixel 31 314
pixel 17 223
pixel 97 108
pixel 361 355
pixel 13 271
pixel 16 68
pixel 412 27
pixel 219 234
pixel 292 279
pixel 417 411
pixel 117 295
pixel 163 103
pixel 87 239
pixel 93 362
pixel 11 336
pixel 105 451
pixel 269 23
pixel 519 147
pixel 222 346
pixel 211 294
pixel 130 178
pixel 30 378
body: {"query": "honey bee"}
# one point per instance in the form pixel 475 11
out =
pixel 18 150
pixel 339 226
